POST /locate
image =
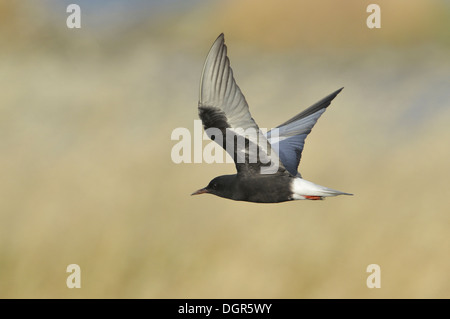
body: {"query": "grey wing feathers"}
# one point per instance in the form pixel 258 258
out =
pixel 292 133
pixel 218 88
pixel 223 106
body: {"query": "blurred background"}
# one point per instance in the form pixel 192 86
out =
pixel 86 117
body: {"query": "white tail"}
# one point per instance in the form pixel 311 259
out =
pixel 302 189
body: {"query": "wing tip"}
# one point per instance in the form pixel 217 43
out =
pixel 337 91
pixel 331 97
pixel 322 104
pixel 216 47
pixel 220 39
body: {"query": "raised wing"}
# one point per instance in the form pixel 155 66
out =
pixel 226 118
pixel 291 135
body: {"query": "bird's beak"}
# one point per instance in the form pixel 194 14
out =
pixel 200 191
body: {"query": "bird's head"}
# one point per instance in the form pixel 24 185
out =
pixel 220 186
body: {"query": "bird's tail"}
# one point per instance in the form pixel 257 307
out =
pixel 303 189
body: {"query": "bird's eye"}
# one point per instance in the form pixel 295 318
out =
pixel 214 186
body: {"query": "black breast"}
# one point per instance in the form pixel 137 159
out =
pixel 264 188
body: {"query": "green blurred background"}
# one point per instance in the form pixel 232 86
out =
pixel 86 175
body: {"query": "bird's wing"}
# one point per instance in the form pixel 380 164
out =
pixel 224 111
pixel 291 135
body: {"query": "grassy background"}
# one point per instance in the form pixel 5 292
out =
pixel 86 175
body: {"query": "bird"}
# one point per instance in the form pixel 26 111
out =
pixel 266 164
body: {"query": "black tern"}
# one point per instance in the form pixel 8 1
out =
pixel 264 175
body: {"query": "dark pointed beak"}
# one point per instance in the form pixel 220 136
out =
pixel 200 191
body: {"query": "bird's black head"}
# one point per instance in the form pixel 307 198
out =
pixel 220 186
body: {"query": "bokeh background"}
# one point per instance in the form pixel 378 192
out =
pixel 86 175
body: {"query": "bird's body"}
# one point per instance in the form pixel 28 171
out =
pixel 268 188
pixel 271 188
pixel 266 164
